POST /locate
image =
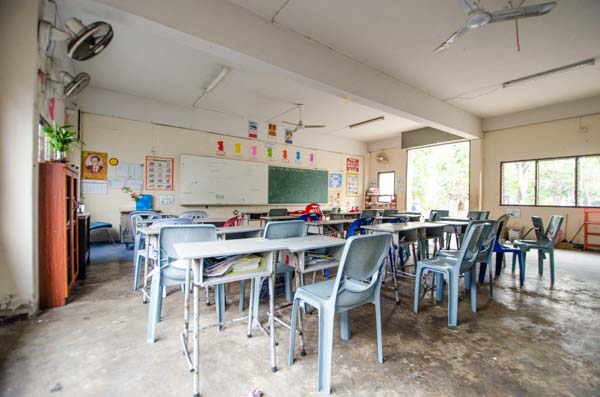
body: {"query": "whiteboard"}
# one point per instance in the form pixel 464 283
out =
pixel 209 180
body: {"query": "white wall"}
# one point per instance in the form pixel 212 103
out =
pixel 543 140
pixel 130 141
pixel 18 126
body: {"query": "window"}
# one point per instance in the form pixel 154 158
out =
pixel 386 181
pixel 588 186
pixel 518 183
pixel 437 177
pixel 557 182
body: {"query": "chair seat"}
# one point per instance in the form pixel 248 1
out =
pixel 438 263
pixel 100 225
pixel 321 290
pixel 531 244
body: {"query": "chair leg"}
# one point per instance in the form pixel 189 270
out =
pixel 377 305
pixel 491 273
pixel 540 263
pixel 482 269
pixel 220 304
pixel 418 276
pixel 395 278
pixel 251 310
pixel 468 279
pixel 345 332
pixel 514 261
pixel 242 295
pixel 439 286
pixel 136 272
pixel 293 326
pixel 453 287
pixel 288 286
pixel 153 309
pixel 522 262
pixel 474 291
pixel 499 260
pixel 325 350
pixel 551 260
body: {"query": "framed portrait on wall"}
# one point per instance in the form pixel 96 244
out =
pixel 94 165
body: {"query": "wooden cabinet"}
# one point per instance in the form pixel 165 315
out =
pixel 58 233
pixel 380 201
pixel 84 244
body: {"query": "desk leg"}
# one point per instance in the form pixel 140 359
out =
pixel 196 356
pixel 272 321
pixel 186 302
pixel 300 309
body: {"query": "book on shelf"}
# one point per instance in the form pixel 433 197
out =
pixel 216 267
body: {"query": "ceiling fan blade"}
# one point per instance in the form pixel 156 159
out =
pixel 315 126
pixel 288 123
pixel 534 10
pixel 470 5
pixel 451 39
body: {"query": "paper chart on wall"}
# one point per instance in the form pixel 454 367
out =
pixel 351 184
pixel 94 187
pixel 159 173
pixel 116 183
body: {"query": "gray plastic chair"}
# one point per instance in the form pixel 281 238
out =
pixel 358 282
pixel 138 240
pixel 451 268
pixel 165 274
pixel 484 215
pixel 278 212
pixel 389 212
pixel 277 230
pixel 193 215
pixel 544 245
pixel 368 214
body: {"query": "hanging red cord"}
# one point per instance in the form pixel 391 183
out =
pixel 517 31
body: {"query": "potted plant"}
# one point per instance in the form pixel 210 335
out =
pixel 61 139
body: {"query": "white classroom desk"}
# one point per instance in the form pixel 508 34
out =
pixel 344 215
pixel 404 227
pixel 266 219
pixel 337 226
pixel 195 252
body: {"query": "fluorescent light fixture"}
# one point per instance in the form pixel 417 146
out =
pixel 587 62
pixel 224 72
pixel 380 118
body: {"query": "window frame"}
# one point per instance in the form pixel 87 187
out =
pixel 535 197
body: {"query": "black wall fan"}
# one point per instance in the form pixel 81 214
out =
pixel 85 41
pixel 71 85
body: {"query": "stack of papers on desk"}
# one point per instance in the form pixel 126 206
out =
pixel 216 267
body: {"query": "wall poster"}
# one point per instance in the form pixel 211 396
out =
pixel 352 165
pixel 94 165
pixel 159 173
pixel 335 181
pixel 351 184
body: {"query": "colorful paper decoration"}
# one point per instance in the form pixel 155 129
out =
pixel 220 148
pixel 311 159
pixel 352 165
pixel 253 152
pixel 289 135
pixel 284 156
pixel 269 148
pixel 272 131
pixel 238 148
pixel 297 159
pixel 252 129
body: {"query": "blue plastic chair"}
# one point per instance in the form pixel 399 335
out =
pixel 355 227
pixel 450 269
pixel 277 230
pixel 193 215
pixel 164 274
pixel 544 245
pixel 500 249
pixel 358 282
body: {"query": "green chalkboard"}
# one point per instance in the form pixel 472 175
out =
pixel 297 186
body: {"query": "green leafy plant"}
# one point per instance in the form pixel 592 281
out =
pixel 60 138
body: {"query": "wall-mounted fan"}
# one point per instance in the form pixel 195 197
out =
pixel 382 158
pixel 300 124
pixel 85 41
pixel 478 17
pixel 71 85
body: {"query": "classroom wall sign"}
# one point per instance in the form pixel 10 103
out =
pixel 159 173
pixel 352 165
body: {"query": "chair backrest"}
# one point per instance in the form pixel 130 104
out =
pixel 368 214
pixel 441 213
pixel 234 221
pixel 400 219
pixel 285 229
pixel 278 212
pixel 484 215
pixel 502 225
pixel 355 227
pixel 389 212
pixel 193 215
pixel 538 227
pixel 335 210
pixel 313 208
pixel 553 228
pixel 172 221
pixel 172 234
pixel 136 216
pixel 433 216
pixel 470 247
pixel 361 269
pixel 488 238
pixel 310 217
pixel 474 215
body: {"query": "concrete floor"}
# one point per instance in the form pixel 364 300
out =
pixel 528 342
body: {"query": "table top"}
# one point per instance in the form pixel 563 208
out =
pixel 330 222
pixel 449 222
pixel 153 231
pixel 211 249
pixel 401 227
pixel 210 220
pixel 455 218
pixel 280 217
pixel 298 244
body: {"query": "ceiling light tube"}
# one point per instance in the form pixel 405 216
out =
pixel 587 62
pixel 380 118
pixel 224 72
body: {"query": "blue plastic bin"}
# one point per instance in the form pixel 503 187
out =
pixel 144 203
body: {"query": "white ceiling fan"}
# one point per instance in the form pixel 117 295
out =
pixel 300 124
pixel 478 17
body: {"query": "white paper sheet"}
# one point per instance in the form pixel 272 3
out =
pixel 94 187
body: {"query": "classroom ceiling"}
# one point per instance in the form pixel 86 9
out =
pixel 143 63
pixel 398 38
